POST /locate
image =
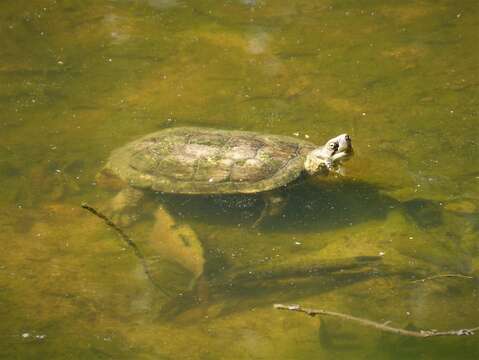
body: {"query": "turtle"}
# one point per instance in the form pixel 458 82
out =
pixel 205 161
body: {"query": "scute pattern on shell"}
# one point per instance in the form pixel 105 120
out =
pixel 207 161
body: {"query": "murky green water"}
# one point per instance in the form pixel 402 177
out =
pixel 80 78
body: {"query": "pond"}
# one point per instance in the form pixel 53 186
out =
pixel 82 78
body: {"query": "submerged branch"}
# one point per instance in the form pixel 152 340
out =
pixel 128 241
pixel 120 232
pixel 305 267
pixel 443 276
pixel 379 326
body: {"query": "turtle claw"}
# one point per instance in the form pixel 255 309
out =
pixel 273 206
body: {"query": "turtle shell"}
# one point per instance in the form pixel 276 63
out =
pixel 189 160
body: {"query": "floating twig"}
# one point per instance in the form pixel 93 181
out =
pixel 443 276
pixel 129 242
pixel 379 326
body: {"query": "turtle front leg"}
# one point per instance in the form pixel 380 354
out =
pixel 123 208
pixel 334 163
pixel 274 203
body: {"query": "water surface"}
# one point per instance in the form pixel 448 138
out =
pixel 81 78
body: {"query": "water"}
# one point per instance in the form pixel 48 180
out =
pixel 80 79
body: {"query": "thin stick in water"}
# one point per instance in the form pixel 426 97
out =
pixel 128 241
pixel 379 326
pixel 443 276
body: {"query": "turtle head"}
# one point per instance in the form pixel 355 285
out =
pixel 329 157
